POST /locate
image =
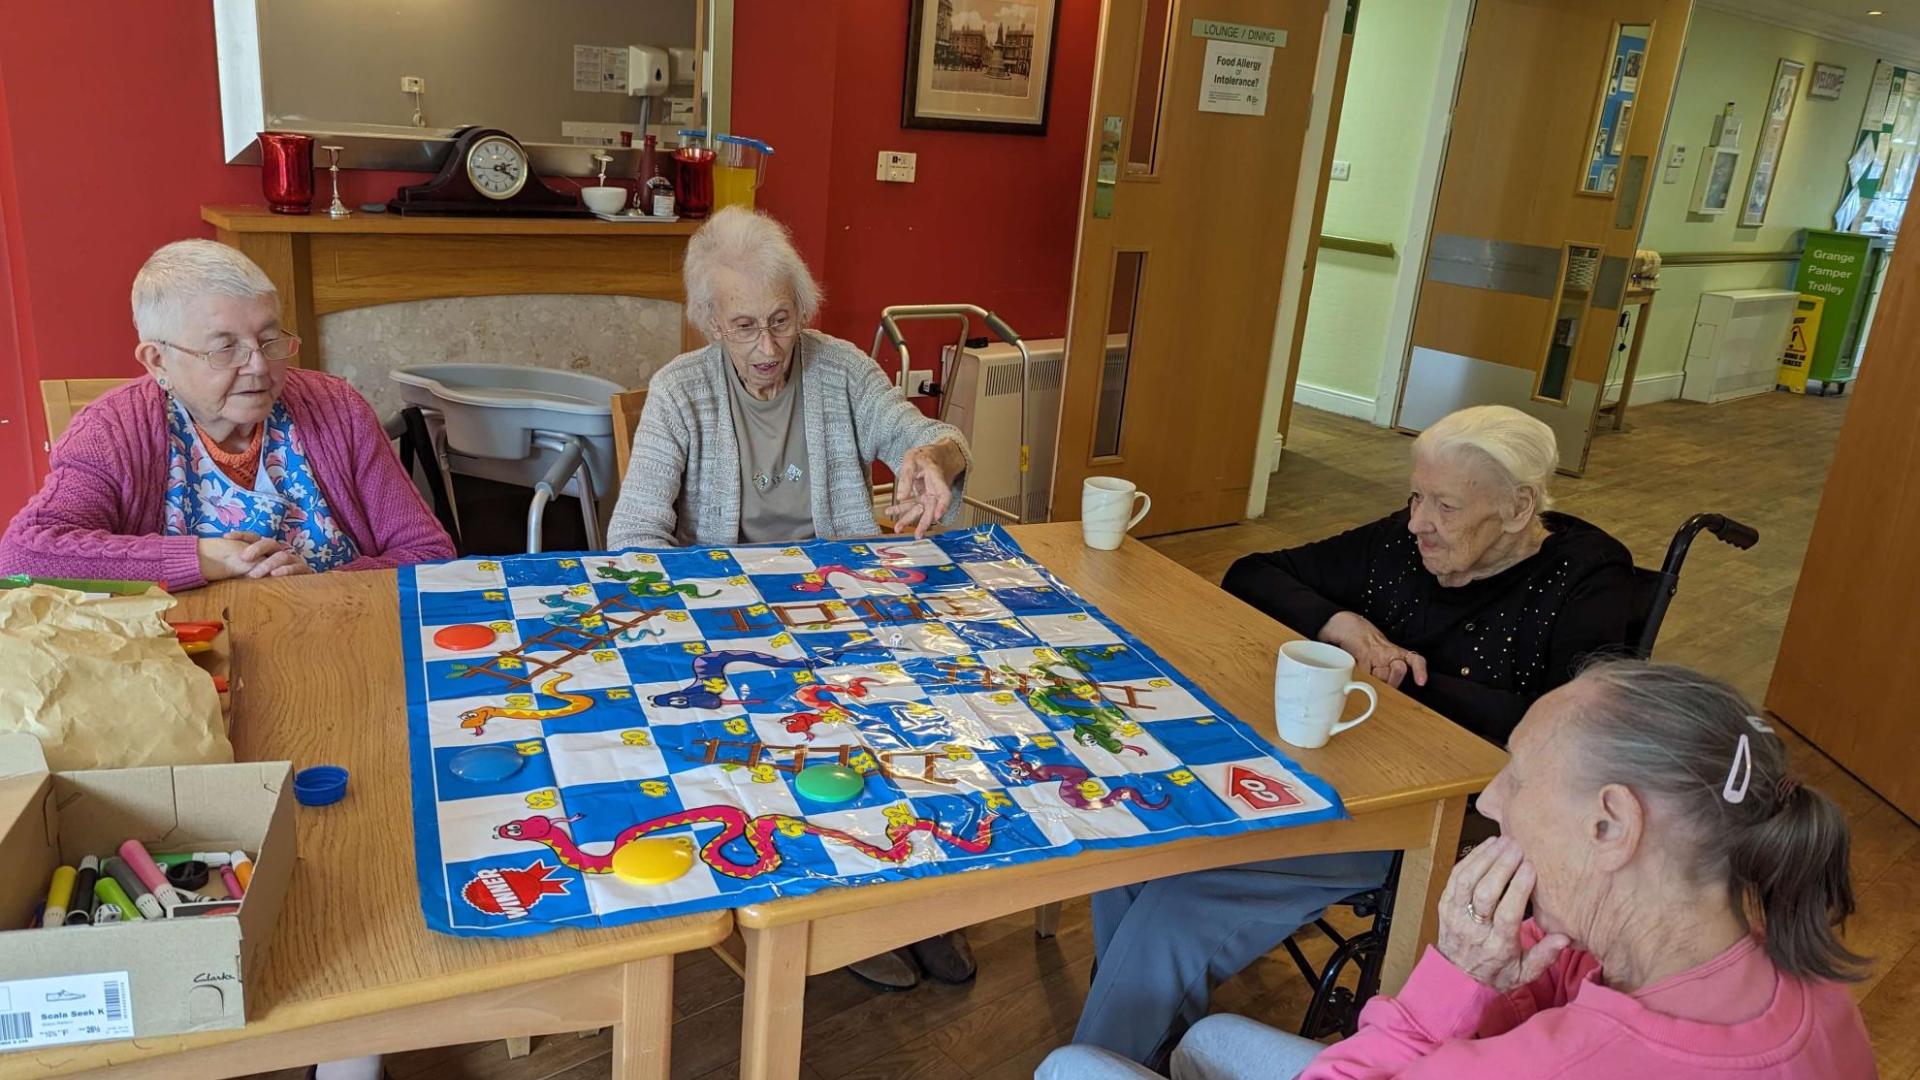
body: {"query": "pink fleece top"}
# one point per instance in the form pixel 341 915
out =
pixel 100 512
pixel 1734 1016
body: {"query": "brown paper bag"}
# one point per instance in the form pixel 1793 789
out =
pixel 103 683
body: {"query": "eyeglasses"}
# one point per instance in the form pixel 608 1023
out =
pixel 273 350
pixel 780 326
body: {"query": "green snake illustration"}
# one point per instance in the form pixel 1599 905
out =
pixel 651 583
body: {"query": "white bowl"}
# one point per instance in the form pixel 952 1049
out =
pixel 605 200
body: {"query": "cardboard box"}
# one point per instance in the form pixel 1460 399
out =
pixel 133 979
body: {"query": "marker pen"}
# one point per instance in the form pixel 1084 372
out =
pixel 243 869
pixel 135 855
pixel 58 893
pixel 211 858
pixel 80 908
pixel 142 897
pixel 234 889
pixel 113 898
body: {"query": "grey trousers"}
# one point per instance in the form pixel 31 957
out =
pixel 1162 946
pixel 1219 1047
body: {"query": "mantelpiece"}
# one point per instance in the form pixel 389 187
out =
pixel 323 265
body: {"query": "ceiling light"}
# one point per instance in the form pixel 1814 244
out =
pixel 1876 13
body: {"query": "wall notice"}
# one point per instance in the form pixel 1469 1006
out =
pixel 1234 78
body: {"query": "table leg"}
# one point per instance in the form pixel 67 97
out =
pixel 1423 875
pixel 519 1046
pixel 775 1002
pixel 1046 919
pixel 1633 365
pixel 641 1039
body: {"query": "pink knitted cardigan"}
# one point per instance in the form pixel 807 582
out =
pixel 100 512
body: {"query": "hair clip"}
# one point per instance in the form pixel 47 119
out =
pixel 1759 725
pixel 1742 755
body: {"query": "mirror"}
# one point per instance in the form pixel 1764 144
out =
pixel 392 82
pixel 1613 116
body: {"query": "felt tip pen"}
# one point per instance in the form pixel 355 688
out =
pixel 243 869
pixel 211 858
pixel 142 897
pixel 80 908
pixel 234 889
pixel 134 854
pixel 115 905
pixel 58 893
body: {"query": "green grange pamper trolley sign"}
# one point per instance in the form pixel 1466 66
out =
pixel 601 739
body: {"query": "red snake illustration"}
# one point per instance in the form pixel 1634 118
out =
pixel 902 574
pixel 758 832
pixel 821 711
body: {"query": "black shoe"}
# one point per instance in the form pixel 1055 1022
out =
pixel 889 971
pixel 946 957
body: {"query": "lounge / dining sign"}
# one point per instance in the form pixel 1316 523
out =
pixel 1237 32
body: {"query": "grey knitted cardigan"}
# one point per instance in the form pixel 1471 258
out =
pixel 682 486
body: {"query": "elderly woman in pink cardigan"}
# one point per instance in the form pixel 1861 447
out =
pixel 1685 890
pixel 222 462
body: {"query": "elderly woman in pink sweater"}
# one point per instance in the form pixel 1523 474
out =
pixel 222 462
pixel 1685 891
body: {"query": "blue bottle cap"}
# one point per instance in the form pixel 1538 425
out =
pixel 322 785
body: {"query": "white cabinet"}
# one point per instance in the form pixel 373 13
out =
pixel 1738 336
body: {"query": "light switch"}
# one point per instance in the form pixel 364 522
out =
pixel 896 166
pixel 1342 170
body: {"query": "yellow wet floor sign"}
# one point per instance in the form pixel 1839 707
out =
pixel 1800 340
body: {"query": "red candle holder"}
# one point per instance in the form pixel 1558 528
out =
pixel 286 171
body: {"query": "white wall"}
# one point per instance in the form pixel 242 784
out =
pixel 1384 127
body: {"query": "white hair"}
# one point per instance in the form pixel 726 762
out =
pixel 178 272
pixel 751 244
pixel 1518 445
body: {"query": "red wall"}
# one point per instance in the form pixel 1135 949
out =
pixel 991 219
pixel 107 165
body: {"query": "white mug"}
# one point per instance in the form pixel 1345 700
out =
pixel 1311 681
pixel 1105 503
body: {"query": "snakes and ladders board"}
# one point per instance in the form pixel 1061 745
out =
pixel 564 707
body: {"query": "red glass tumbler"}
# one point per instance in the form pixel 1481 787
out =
pixel 693 181
pixel 286 171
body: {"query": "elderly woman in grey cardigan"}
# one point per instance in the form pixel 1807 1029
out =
pixel 766 434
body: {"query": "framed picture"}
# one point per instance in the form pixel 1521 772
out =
pixel 980 66
pixel 1827 82
pixel 1773 136
pixel 1713 188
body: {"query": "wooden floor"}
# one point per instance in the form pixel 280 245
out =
pixel 1762 460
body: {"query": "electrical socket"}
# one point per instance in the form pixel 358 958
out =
pixel 1341 170
pixel 920 382
pixel 896 166
pixel 412 84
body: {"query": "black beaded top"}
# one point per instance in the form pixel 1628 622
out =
pixel 1493 645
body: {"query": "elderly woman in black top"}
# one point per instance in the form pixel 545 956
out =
pixel 1474 599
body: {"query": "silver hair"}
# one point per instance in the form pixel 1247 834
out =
pixel 754 245
pixel 1522 447
pixel 1781 849
pixel 178 272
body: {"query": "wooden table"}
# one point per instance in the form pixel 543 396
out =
pixel 1405 776
pixel 352 968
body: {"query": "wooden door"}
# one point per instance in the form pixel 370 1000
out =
pixel 1540 206
pixel 1851 636
pixel 1183 235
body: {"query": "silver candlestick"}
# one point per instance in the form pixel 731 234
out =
pixel 338 209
